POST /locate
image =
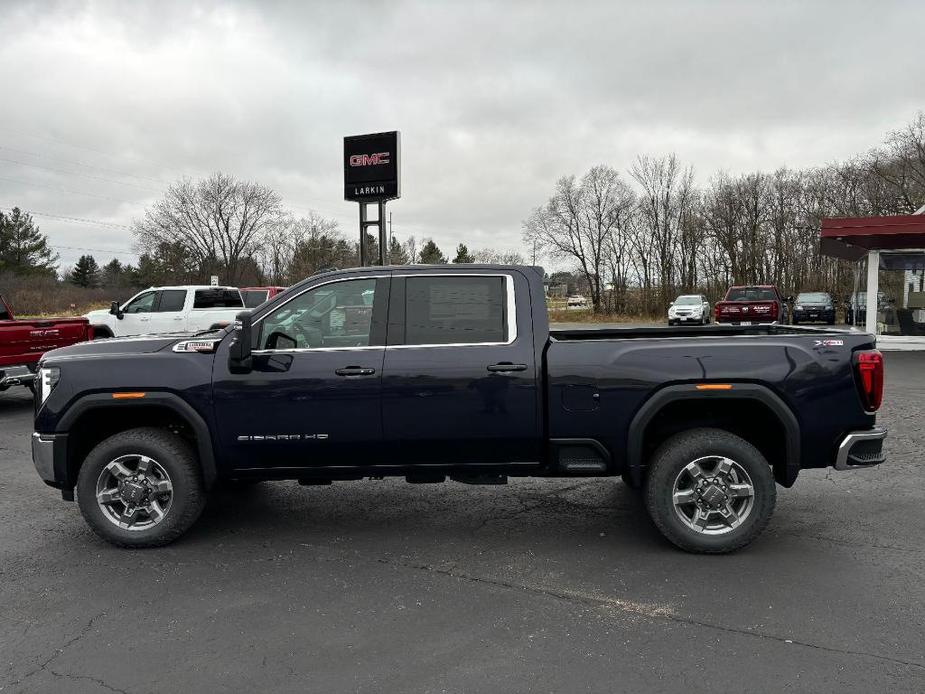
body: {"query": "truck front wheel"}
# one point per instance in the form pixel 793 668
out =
pixel 140 488
pixel 709 491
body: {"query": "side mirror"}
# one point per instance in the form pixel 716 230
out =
pixel 671 304
pixel 239 354
pixel 115 310
pixel 789 299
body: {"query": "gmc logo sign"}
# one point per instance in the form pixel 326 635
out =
pixel 369 159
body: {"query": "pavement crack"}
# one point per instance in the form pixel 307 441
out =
pixel 95 680
pixel 650 611
pixel 58 651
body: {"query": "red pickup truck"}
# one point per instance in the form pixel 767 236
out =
pixel 751 305
pixel 23 342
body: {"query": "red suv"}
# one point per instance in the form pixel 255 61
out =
pixel 751 305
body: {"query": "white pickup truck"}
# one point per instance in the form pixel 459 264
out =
pixel 168 310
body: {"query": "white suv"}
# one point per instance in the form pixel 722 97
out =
pixel 689 308
pixel 168 310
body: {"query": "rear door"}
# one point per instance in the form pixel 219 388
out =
pixel 214 305
pixel 168 315
pixel 460 379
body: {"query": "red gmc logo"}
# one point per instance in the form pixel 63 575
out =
pixel 369 159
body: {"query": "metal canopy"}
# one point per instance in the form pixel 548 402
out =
pixel 851 238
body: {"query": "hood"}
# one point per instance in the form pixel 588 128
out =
pixel 119 345
pixel 99 314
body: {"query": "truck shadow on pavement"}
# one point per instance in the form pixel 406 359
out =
pixel 15 400
pixel 394 512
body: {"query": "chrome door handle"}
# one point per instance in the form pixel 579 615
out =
pixel 355 371
pixel 507 366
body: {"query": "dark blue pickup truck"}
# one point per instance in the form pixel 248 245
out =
pixel 429 372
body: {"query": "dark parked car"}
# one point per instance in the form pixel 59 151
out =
pixel 752 305
pixel 856 307
pixel 814 307
pixel 429 372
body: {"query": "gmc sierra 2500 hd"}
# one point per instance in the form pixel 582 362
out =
pixel 434 371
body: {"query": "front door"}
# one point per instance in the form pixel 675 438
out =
pixel 460 383
pixel 313 397
pixel 136 315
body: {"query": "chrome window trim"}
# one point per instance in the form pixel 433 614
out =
pixel 299 350
pixel 511 310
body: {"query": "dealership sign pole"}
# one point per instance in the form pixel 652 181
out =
pixel 372 176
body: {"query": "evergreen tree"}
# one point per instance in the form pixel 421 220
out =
pixel 86 272
pixel 398 255
pixel 23 248
pixel 462 255
pixel 112 274
pixel 431 254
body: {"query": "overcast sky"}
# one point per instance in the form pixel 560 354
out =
pixel 103 104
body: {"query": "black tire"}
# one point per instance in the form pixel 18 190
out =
pixel 175 456
pixel 669 461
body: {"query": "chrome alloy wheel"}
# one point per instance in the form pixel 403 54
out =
pixel 134 492
pixel 713 495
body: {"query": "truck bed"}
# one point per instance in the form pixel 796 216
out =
pixel 714 330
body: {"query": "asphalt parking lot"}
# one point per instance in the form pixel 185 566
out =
pixel 541 585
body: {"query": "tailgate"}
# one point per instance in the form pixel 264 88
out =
pixel 746 310
pixel 25 341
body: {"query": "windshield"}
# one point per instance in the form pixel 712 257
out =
pixel 751 294
pixel 688 300
pixel 814 298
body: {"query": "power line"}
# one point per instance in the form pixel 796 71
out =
pixel 71 162
pixel 66 144
pixel 65 190
pixel 94 250
pixel 77 173
pixel 78 220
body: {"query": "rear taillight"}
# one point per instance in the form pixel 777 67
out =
pixel 868 368
pixel 774 310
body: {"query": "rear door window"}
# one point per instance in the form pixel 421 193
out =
pixel 172 301
pixel 455 310
pixel 218 298
pixel 254 297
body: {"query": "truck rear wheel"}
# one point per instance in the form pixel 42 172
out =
pixel 710 491
pixel 140 488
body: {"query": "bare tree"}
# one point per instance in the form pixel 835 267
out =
pixel 491 256
pixel 579 221
pixel 221 222
pixel 664 205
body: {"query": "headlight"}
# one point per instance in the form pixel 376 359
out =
pixel 798 307
pixel 48 378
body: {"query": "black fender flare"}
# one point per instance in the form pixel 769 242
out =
pixel 690 391
pixel 158 399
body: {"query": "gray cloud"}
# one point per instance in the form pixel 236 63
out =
pixel 494 100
